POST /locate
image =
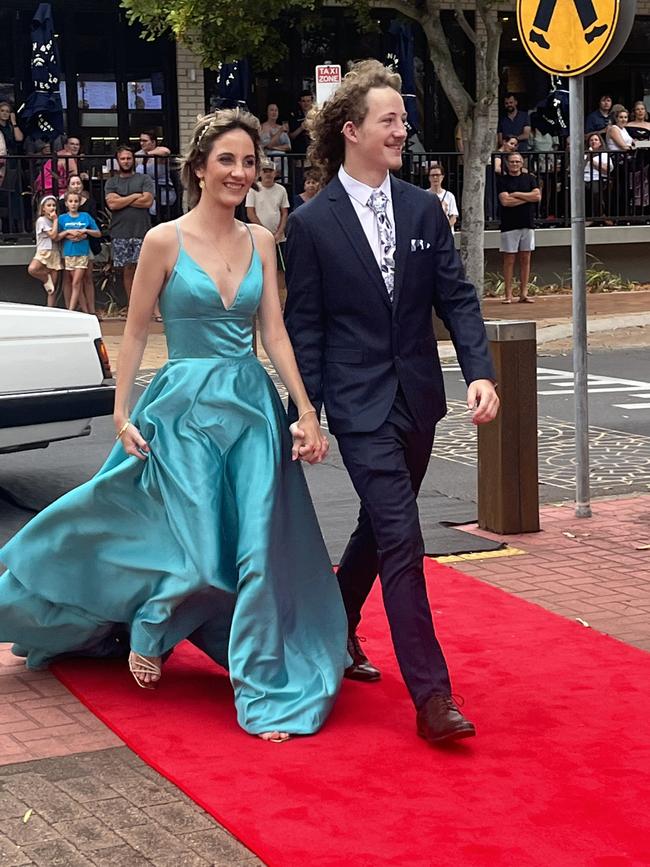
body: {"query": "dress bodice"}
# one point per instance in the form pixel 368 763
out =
pixel 197 323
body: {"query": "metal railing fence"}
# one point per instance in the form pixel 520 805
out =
pixel 617 185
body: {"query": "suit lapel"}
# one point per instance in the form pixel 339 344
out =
pixel 402 215
pixel 345 214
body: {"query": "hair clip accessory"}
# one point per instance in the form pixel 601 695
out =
pixel 203 132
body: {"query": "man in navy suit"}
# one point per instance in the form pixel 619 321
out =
pixel 368 260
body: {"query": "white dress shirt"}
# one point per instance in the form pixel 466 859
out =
pixel 359 194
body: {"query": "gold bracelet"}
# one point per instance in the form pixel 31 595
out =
pixel 306 412
pixel 122 429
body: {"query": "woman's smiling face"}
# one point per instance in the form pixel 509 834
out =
pixel 230 168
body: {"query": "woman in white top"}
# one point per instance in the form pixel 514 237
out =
pixel 618 138
pixel 598 165
pixel 447 199
pixel 620 142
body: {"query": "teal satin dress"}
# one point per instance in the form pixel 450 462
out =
pixel 212 537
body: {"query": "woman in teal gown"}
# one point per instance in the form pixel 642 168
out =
pixel 199 525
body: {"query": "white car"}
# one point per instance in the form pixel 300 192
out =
pixel 55 376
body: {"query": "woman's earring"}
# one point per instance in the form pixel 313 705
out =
pixel 202 184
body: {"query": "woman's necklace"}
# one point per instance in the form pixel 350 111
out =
pixel 221 256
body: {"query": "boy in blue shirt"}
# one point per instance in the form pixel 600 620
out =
pixel 74 229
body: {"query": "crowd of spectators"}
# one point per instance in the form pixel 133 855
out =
pixel 134 189
pixel 119 198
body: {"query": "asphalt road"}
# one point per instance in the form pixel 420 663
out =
pixel 33 479
pixel 619 416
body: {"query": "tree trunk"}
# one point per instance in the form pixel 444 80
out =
pixel 473 115
pixel 473 213
pixel 476 162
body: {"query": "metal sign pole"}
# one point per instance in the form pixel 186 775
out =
pixel 579 293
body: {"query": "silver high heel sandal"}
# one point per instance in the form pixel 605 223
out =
pixel 278 739
pixel 139 665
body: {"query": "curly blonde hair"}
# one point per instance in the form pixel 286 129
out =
pixel 208 129
pixel 348 103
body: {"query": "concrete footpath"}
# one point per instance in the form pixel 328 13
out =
pixel 72 794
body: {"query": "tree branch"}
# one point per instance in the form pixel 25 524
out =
pixel 443 62
pixel 488 61
pixel 463 23
pixel 408 10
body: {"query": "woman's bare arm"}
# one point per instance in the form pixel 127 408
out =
pixel 154 266
pixel 278 347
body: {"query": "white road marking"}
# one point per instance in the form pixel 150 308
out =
pixel 558 383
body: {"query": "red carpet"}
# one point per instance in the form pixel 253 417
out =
pixel 559 774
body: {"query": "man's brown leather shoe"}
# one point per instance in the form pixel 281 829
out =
pixel 361 668
pixel 440 720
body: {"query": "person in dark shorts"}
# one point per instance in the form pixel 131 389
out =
pixel 129 197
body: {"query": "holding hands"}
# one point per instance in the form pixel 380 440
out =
pixel 309 442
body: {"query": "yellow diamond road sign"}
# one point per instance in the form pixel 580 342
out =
pixel 567 37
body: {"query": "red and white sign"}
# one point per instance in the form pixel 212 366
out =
pixel 328 78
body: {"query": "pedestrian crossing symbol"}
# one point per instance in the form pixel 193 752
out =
pixel 567 37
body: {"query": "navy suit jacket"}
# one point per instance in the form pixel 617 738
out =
pixel 352 345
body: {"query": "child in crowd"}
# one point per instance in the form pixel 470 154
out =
pixel 87 204
pixel 46 263
pixel 269 206
pixel 311 185
pixel 75 228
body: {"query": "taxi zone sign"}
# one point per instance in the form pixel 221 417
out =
pixel 328 78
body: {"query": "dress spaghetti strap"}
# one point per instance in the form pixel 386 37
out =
pixel 251 236
pixel 179 234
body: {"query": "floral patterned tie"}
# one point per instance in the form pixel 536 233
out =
pixel 378 203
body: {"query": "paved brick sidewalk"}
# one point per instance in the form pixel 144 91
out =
pixel 105 809
pixel 557 308
pixel 94 803
pixel 595 569
pixel 40 718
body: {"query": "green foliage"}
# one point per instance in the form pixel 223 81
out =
pixel 598 280
pixel 494 287
pixel 221 31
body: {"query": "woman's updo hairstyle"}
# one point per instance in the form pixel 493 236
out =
pixel 208 129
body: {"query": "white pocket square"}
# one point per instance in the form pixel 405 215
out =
pixel 419 244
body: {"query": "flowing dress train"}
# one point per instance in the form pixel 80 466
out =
pixel 213 537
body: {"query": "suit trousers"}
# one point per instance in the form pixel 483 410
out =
pixel 386 467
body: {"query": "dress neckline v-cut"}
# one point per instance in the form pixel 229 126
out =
pixel 215 285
